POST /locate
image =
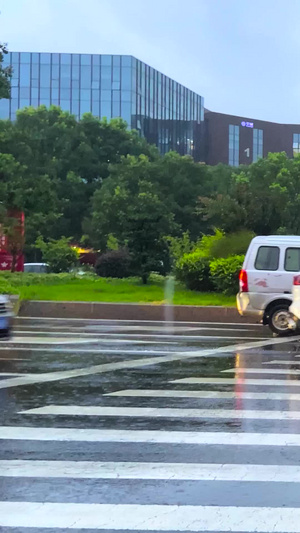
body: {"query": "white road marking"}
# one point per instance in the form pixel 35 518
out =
pixel 145 393
pixel 238 381
pixel 14 358
pixel 150 517
pixel 275 362
pixel 121 365
pixel 157 412
pixel 250 370
pixel 149 437
pixel 133 470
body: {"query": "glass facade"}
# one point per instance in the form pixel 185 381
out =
pixel 257 144
pixel 234 145
pixel 296 144
pixel 165 112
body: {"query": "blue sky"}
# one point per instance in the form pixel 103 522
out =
pixel 241 55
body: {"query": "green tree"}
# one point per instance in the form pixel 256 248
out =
pixel 58 254
pixel 131 207
pixel 5 73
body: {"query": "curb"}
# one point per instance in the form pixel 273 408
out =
pixel 124 311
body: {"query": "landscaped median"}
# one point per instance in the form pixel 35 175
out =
pixel 66 295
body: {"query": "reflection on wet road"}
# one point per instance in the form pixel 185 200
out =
pixel 143 426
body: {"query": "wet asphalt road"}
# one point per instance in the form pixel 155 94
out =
pixel 134 426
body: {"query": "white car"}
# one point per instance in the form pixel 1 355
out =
pixel 266 280
pixel 6 317
pixel 36 268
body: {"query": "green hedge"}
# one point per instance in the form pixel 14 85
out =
pixel 193 270
pixel 225 273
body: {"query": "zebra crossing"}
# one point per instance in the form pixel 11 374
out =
pixel 200 452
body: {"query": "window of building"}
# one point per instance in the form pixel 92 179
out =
pixel 257 144
pixel 234 145
pixel 296 144
pixel 292 260
pixel 267 258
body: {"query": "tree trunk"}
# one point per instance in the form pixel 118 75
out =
pixel 145 278
pixel 14 262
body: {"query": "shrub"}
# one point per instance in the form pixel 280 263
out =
pixel 114 264
pixel 209 241
pixel 224 273
pixel 231 244
pixel 58 254
pixel 193 270
pixel 6 287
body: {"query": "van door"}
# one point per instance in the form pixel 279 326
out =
pixel 290 266
pixel 263 269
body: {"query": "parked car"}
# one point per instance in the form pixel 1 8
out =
pixel 266 280
pixel 37 268
pixel 6 317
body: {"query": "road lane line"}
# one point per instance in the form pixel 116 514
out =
pixel 157 412
pixel 149 517
pixel 238 381
pixel 278 362
pixel 149 393
pixel 122 365
pixel 249 370
pixel 141 470
pixel 146 436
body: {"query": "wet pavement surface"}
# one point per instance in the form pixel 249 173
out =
pixel 147 426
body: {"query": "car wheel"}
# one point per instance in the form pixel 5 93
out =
pixel 279 320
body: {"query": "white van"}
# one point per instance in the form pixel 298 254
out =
pixel 266 280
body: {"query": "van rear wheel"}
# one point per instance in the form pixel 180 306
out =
pixel 279 320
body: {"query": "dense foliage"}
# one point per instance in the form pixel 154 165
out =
pixel 100 184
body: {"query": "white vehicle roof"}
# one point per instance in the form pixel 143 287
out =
pixel 276 239
pixel 35 264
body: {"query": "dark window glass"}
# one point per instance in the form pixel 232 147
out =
pixel 116 96
pixel 95 109
pixel 55 83
pixel 106 61
pixel 116 85
pixel 257 144
pixel 106 78
pixel 75 107
pixel 292 260
pixel 96 73
pixel 65 59
pixel 126 61
pixel 65 71
pixel 45 59
pixel 95 85
pixel 35 58
pixel 15 82
pixel 296 144
pixel 34 83
pixel 75 84
pixel 86 60
pixel 25 75
pixel 95 95
pixel 14 92
pixel 35 72
pixel 34 102
pixel 234 145
pixel 267 258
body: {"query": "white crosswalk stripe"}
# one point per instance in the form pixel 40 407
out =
pixel 164 473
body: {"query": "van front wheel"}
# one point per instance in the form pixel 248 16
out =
pixel 279 320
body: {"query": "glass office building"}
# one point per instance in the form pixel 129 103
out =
pixel 165 112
